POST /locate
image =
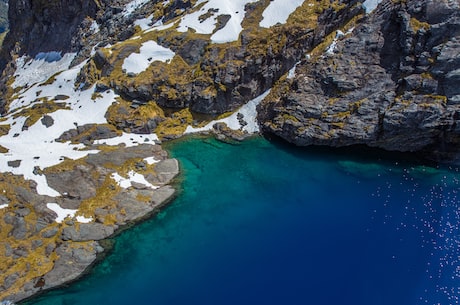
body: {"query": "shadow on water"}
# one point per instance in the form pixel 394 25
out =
pixel 356 153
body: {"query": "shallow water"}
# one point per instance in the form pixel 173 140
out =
pixel 263 223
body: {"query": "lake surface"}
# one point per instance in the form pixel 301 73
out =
pixel 264 223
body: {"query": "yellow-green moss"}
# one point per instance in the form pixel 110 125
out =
pixel 288 117
pixel 175 125
pixel 437 98
pixel 417 25
pixel 36 112
pixel 4 129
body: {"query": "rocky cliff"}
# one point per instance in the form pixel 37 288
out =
pixel 391 82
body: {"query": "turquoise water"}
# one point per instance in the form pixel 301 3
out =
pixel 263 223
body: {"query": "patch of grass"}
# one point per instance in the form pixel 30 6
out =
pixel 417 25
pixel 4 129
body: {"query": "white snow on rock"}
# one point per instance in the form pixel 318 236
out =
pixel 146 24
pixel 32 71
pixel 249 116
pixel 150 51
pixel 371 5
pixel 151 160
pixel 338 34
pixel 64 213
pixel 132 6
pixel 3 206
pixel 291 73
pixel 278 11
pixel 132 177
pixel 35 148
pixel 129 139
pixel 230 32
pixel 94 27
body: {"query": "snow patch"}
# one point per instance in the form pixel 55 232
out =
pixel 249 113
pixel 278 11
pixel 151 160
pixel 129 140
pixel 35 146
pixel 132 6
pixel 146 24
pixel 150 51
pixel 339 34
pixel 230 32
pixel 94 27
pixel 370 5
pixel 291 73
pixel 132 177
pixel 3 206
pixel 40 69
pixel 64 213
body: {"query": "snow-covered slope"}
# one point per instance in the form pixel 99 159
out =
pixel 34 148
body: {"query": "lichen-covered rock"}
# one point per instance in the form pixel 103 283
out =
pixel 47 253
pixel 392 83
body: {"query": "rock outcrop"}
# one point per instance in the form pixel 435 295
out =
pixel 390 83
pixel 217 78
pixel 40 253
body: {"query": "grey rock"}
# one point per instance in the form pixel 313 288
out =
pixel 47 120
pixel 22 212
pixel 4 200
pixel 14 164
pixel 50 233
pixel 36 243
pixel 10 280
pixel 19 230
pixel 166 170
pixel 87 232
pixel 71 264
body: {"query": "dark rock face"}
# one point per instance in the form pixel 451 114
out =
pixel 392 83
pixel 41 26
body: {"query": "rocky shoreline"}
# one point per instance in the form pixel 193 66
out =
pixel 386 79
pixel 72 247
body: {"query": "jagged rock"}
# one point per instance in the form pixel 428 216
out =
pixel 49 233
pixel 47 120
pixel 19 228
pixel 390 84
pixel 192 51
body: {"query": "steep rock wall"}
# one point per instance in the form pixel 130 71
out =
pixel 392 83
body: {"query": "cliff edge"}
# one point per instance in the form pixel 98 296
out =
pixel 391 82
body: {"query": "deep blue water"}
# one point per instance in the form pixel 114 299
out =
pixel 263 223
